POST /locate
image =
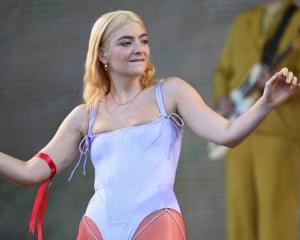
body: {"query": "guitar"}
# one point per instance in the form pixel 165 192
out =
pixel 244 96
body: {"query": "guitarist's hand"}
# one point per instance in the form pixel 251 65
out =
pixel 279 87
pixel 225 106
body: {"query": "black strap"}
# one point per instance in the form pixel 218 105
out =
pixel 271 46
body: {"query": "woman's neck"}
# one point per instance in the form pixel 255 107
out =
pixel 124 87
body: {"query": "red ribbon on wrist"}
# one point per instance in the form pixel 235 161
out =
pixel 41 198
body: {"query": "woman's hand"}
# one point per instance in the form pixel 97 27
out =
pixel 279 87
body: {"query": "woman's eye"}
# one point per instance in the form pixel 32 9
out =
pixel 146 41
pixel 125 43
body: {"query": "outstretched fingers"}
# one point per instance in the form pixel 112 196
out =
pixel 286 76
pixel 292 81
pixel 295 82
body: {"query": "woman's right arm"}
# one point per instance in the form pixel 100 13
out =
pixel 63 149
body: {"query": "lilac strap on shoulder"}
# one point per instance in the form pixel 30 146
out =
pixel 159 98
pixel 177 120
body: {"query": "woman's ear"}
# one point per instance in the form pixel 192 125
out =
pixel 102 56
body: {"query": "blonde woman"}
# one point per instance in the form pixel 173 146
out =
pixel 132 127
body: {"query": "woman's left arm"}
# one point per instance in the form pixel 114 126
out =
pixel 213 127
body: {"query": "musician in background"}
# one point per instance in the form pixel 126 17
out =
pixel 263 172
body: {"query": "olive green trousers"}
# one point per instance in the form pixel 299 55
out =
pixel 262 179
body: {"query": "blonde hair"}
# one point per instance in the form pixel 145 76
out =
pixel 96 80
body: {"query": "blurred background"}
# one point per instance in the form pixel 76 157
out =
pixel 43 47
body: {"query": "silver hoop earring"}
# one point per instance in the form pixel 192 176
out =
pixel 105 67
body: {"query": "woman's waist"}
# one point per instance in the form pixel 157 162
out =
pixel 125 190
pixel 136 179
pixel 118 207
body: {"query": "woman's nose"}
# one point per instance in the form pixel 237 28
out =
pixel 138 48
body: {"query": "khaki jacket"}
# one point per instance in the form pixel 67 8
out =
pixel 243 49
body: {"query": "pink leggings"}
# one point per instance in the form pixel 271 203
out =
pixel 164 224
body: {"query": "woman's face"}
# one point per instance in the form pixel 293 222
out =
pixel 127 51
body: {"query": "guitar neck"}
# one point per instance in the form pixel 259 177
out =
pixel 278 58
pixel 249 85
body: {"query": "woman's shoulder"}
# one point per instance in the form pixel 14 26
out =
pixel 172 81
pixel 177 88
pixel 171 88
pixel 77 117
pixel 172 84
pixel 79 111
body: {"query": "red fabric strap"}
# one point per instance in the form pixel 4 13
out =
pixel 41 198
pixel 50 162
